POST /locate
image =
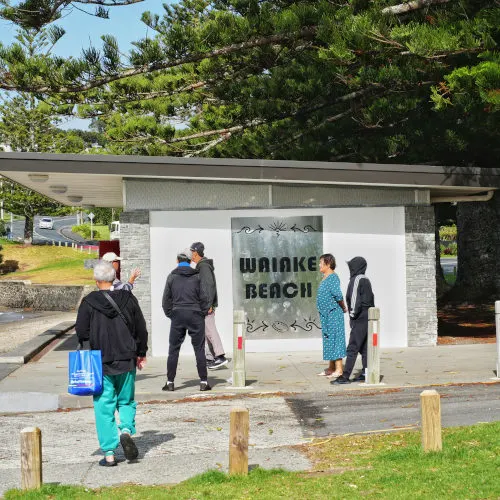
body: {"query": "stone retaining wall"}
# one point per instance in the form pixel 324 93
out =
pixel 24 295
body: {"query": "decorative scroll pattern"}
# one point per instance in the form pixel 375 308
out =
pixel 277 227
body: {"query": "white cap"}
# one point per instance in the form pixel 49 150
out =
pixel 110 257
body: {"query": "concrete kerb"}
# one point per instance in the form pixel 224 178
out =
pixel 26 351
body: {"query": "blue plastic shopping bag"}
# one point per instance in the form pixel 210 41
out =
pixel 85 373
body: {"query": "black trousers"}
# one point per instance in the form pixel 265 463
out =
pixel 358 343
pixel 192 322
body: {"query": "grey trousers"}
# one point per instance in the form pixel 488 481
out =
pixel 213 343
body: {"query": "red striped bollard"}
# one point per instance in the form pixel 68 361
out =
pixel 239 349
pixel 373 368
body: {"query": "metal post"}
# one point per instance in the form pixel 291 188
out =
pixel 497 323
pixel 373 368
pixel 239 349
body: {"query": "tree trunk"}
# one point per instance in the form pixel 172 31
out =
pixel 478 239
pixel 441 286
pixel 28 228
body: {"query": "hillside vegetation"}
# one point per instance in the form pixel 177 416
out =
pixel 47 264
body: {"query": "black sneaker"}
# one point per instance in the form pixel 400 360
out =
pixel 341 380
pixel 217 363
pixel 169 386
pixel 210 363
pixel 205 387
pixel 105 463
pixel 360 378
pixel 129 447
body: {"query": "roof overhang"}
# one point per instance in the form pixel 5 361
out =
pixel 98 179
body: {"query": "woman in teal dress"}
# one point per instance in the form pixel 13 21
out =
pixel 331 308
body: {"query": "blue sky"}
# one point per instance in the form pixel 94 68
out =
pixel 83 30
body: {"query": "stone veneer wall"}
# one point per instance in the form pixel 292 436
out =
pixel 421 276
pixel 135 252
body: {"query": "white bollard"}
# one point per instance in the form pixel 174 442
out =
pixel 497 323
pixel 239 378
pixel 81 248
pixel 373 355
pixel 59 242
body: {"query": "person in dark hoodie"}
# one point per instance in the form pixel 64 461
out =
pixel 359 298
pixel 186 304
pixel 122 338
pixel 214 350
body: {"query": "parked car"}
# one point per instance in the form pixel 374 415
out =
pixel 46 223
pixel 114 230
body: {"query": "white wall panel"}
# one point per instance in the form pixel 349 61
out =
pixel 377 234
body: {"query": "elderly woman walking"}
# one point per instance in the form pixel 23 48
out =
pixel 331 308
pixel 112 322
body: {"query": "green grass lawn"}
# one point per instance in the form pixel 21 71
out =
pixel 47 264
pixel 101 231
pixel 385 466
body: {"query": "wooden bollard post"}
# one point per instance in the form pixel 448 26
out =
pixel 373 354
pixel 238 441
pixel 31 458
pixel 430 406
pixel 239 377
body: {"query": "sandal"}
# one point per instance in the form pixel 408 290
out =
pixel 334 375
pixel 325 373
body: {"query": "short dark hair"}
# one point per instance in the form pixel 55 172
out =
pixel 329 260
pixel 183 258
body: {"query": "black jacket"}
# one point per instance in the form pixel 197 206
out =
pixel 359 294
pixel 207 279
pixel 98 322
pixel 183 291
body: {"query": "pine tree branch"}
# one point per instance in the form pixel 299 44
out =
pixel 210 145
pixel 254 123
pixel 111 3
pixel 403 8
pixel 157 66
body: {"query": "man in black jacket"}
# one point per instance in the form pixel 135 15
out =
pixel 112 322
pixel 214 351
pixel 359 299
pixel 186 304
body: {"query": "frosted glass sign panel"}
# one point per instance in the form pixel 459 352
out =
pixel 276 275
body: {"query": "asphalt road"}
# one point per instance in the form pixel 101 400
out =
pixel 448 264
pixel 45 235
pixel 322 414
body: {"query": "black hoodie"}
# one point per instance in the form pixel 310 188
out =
pixel 183 291
pixel 359 294
pixel 207 279
pixel 99 323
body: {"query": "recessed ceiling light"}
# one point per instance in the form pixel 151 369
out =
pixel 38 177
pixel 58 189
pixel 75 198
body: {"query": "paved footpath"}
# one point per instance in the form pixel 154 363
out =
pixel 186 432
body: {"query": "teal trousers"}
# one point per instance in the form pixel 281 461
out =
pixel 118 394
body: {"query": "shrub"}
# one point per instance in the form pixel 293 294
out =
pixel 450 249
pixel 9 266
pixel 84 231
pixel 448 233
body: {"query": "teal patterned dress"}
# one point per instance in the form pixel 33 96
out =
pixel 332 317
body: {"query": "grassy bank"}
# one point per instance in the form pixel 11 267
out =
pixel 381 466
pixel 99 231
pixel 47 264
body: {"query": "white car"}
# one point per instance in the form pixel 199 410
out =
pixel 46 223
